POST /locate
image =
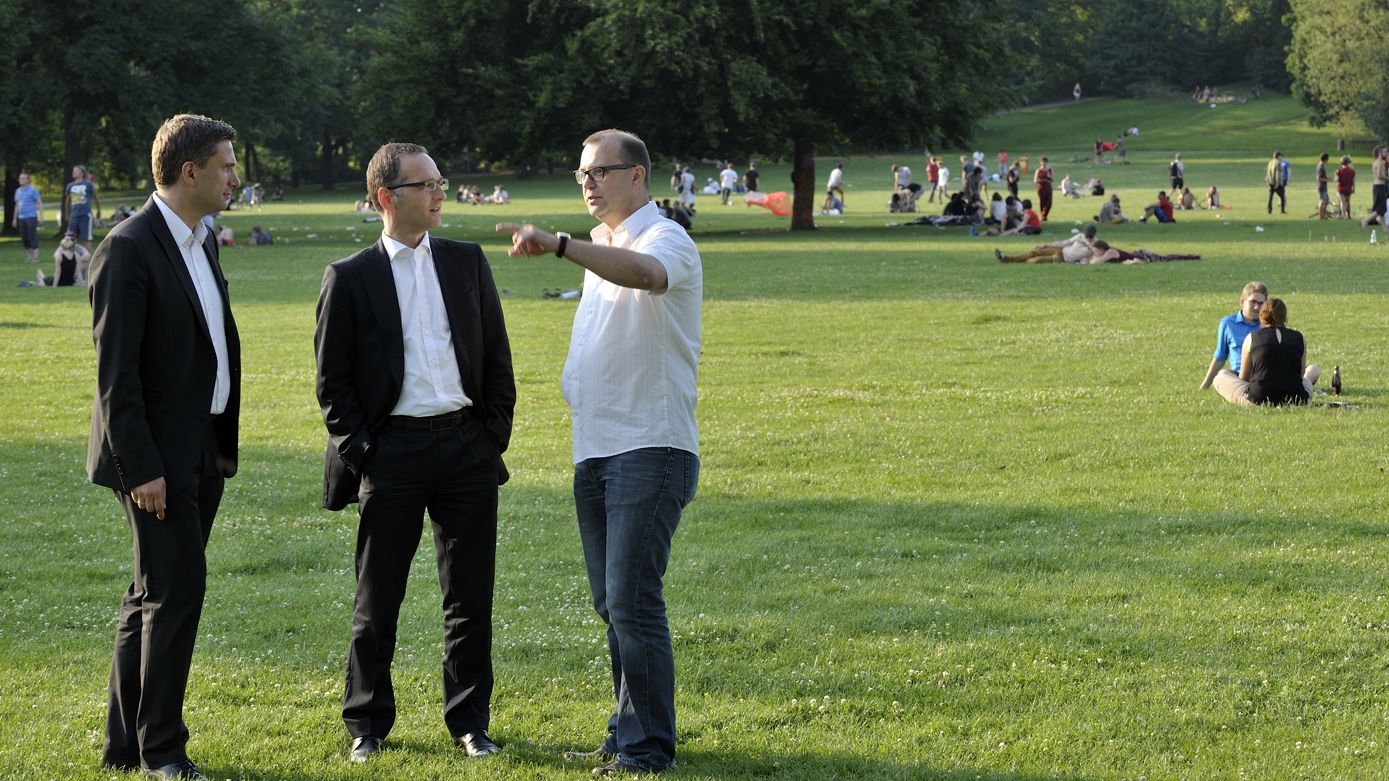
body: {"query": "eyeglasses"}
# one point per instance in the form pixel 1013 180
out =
pixel 597 172
pixel 442 185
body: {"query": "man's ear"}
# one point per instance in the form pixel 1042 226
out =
pixel 386 198
pixel 187 173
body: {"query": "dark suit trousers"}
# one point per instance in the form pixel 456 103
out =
pixel 453 475
pixel 159 615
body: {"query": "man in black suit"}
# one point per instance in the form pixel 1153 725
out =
pixel 164 428
pixel 415 381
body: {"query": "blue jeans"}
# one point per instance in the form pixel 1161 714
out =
pixel 628 507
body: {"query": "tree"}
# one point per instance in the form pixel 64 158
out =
pixel 1338 58
pixel 793 78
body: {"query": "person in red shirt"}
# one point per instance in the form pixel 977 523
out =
pixel 1043 179
pixel 933 179
pixel 1345 185
pixel 1162 210
pixel 1029 225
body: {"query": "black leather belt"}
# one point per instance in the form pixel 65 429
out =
pixel 442 422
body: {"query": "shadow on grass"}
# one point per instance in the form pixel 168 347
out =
pixel 771 599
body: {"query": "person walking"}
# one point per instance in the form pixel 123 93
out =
pixel 1043 178
pixel 1276 176
pixel 28 216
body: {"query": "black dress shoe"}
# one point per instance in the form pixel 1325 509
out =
pixel 124 765
pixel 184 769
pixel 477 744
pixel 364 748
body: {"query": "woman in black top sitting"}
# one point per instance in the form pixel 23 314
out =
pixel 1274 360
pixel 66 259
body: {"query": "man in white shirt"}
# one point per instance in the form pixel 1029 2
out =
pixel 687 188
pixel 417 391
pixel 164 429
pixel 630 383
pixel 727 179
pixel 835 186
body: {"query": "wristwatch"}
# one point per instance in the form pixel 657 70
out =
pixel 563 242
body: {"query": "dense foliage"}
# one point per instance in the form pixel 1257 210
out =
pixel 1339 56
pixel 314 85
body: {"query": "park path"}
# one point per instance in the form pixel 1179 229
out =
pixel 1039 106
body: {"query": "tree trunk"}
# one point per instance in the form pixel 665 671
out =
pixel 326 171
pixel 72 152
pixel 803 179
pixel 249 166
pixel 11 184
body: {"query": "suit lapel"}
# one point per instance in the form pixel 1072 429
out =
pixel 385 305
pixel 160 227
pixel 454 286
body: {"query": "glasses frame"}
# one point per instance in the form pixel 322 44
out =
pixel 429 184
pixel 598 172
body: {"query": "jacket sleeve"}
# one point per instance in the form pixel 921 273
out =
pixel 119 294
pixel 335 349
pixel 498 379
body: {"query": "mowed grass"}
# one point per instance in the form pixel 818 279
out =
pixel 956 520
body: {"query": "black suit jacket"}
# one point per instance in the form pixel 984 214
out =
pixel 361 353
pixel 156 366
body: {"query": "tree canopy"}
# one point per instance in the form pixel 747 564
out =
pixel 314 85
pixel 1338 59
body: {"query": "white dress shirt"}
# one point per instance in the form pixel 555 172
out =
pixel 432 384
pixel 190 246
pixel 633 358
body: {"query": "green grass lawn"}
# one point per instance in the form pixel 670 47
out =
pixel 956 520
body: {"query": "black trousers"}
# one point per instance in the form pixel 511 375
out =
pixel 453 475
pixel 1282 199
pixel 159 615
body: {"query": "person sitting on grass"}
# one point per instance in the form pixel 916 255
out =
pixel 66 260
pixel 1075 249
pixel 1107 254
pixel 1229 345
pixel 1213 198
pixel 1029 223
pixel 1162 210
pixel 1186 201
pixel 1007 220
pixel 259 238
pixel 1274 360
pixel 1069 187
pixel 1110 213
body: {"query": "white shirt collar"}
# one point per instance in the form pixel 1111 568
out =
pixel 394 247
pixel 183 236
pixel 636 222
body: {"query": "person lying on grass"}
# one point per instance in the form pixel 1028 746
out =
pixel 1107 254
pixel 1074 249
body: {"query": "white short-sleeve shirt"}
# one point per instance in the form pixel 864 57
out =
pixel 634 354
